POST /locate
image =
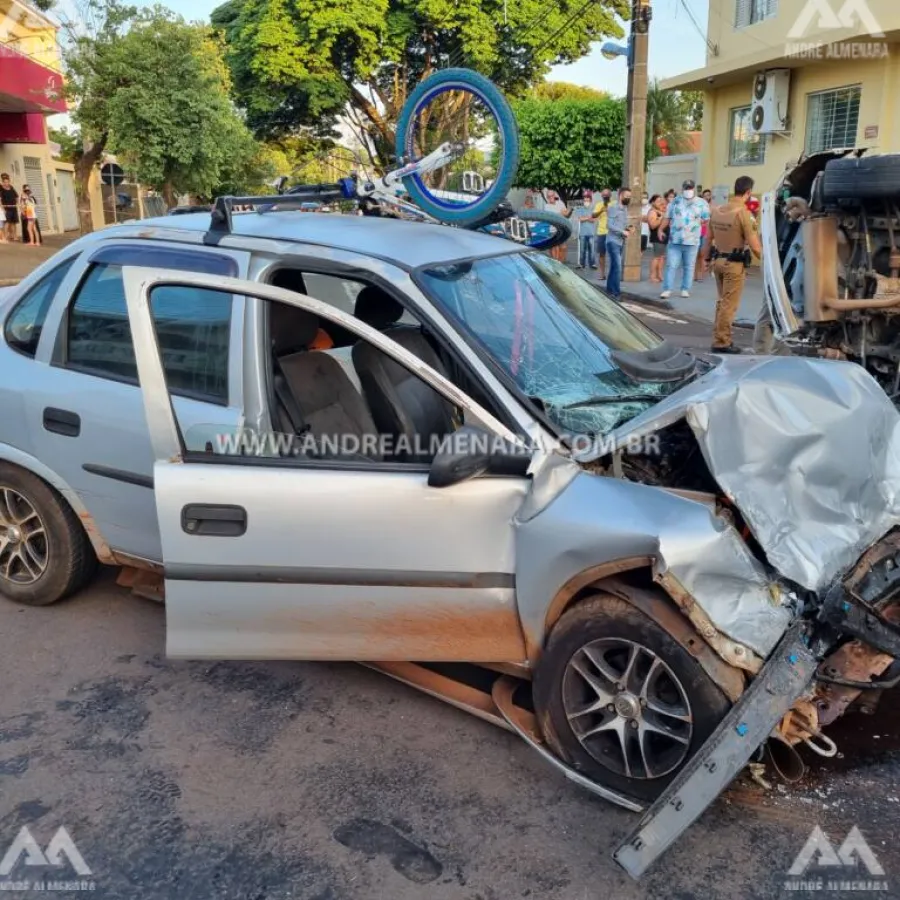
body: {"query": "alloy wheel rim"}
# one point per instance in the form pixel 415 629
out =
pixel 627 708
pixel 24 547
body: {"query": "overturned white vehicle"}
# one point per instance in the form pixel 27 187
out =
pixel 418 447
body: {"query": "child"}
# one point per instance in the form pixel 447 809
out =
pixel 29 214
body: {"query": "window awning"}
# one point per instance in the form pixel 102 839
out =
pixel 26 86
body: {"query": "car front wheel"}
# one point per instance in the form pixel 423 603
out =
pixel 45 554
pixel 620 700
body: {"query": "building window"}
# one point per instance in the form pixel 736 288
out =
pixel 747 148
pixel 832 119
pixel 749 12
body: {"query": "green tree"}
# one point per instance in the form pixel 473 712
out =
pixel 95 66
pixel 670 116
pixel 304 62
pixel 171 120
pixel 69 141
pixel 562 90
pixel 569 145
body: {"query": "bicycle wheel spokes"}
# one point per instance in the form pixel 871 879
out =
pixel 457 137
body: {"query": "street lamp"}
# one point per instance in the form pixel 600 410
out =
pixel 611 50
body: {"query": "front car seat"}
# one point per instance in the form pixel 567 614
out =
pixel 313 390
pixel 402 404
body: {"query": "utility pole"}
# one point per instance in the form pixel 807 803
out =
pixel 636 130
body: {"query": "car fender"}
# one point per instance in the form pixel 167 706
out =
pixel 31 464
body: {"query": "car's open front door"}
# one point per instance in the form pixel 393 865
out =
pixel 274 556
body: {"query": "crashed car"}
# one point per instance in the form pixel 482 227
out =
pixel 831 230
pixel 418 447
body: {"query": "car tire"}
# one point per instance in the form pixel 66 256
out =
pixel 867 178
pixel 45 554
pixel 627 731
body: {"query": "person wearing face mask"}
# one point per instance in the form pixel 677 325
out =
pixel 734 235
pixel 601 213
pixel 685 218
pixel 619 232
pixel 587 231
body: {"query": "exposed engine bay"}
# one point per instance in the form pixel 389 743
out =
pixel 837 223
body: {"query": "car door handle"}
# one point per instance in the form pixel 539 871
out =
pixel 214 521
pixel 61 421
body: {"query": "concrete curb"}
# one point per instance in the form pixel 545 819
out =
pixel 670 307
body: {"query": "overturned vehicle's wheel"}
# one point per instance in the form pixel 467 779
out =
pixel 44 553
pixel 620 700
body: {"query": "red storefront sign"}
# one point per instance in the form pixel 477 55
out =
pixel 26 86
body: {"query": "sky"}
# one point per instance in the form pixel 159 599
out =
pixel 675 44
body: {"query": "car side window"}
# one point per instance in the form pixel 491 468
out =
pixel 192 327
pixel 24 326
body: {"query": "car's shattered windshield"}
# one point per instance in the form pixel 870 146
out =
pixel 559 339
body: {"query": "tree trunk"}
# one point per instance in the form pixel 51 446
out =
pixel 168 192
pixel 84 166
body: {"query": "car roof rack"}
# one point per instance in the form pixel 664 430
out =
pixel 222 221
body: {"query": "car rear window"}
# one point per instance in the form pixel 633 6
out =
pixel 24 325
pixel 192 328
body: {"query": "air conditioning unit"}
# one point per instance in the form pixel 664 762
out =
pixel 771 91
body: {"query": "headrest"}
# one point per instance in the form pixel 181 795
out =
pixel 376 308
pixel 291 329
pixel 290 280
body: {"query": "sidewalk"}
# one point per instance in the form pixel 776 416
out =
pixel 17 260
pixel 702 302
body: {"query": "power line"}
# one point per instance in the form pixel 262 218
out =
pixel 563 27
pixel 709 44
pixel 458 55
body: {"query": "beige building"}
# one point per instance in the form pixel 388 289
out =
pixel 785 77
pixel 31 90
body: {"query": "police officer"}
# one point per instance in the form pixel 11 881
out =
pixel 733 234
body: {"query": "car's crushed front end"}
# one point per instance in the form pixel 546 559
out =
pixel 802 523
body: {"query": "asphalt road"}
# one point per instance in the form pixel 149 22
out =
pixel 263 781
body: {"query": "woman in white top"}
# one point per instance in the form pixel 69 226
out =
pixel 645 228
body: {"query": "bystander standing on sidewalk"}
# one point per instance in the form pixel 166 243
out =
pixel 684 217
pixel 734 232
pixel 587 231
pixel 554 204
pixel 9 200
pixel 658 240
pixel 29 217
pixel 601 211
pixel 619 231
pixel 645 227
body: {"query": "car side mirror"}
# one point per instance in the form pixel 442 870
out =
pixel 470 452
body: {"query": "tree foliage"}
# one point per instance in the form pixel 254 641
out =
pixel 70 145
pixel 171 120
pixel 670 116
pixel 569 145
pixel 563 90
pixel 299 63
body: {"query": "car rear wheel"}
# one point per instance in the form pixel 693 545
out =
pixel 45 554
pixel 620 700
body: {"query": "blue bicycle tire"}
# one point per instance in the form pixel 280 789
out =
pixel 562 225
pixel 488 93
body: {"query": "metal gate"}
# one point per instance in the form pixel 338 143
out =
pixel 34 178
pixel 65 186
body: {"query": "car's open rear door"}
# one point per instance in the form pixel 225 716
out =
pixel 271 556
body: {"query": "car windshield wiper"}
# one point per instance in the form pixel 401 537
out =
pixel 625 398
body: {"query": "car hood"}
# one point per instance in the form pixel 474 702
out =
pixel 808 450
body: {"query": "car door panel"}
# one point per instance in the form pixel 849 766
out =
pixel 336 561
pixel 109 461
